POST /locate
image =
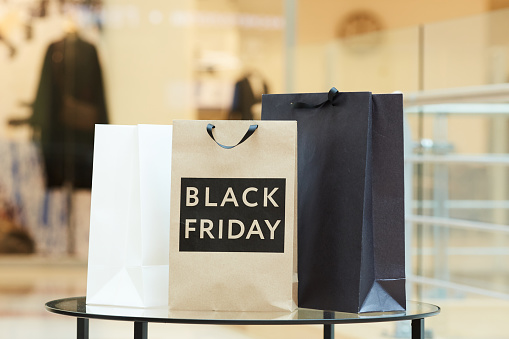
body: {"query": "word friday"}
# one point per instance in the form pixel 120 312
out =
pixel 207 225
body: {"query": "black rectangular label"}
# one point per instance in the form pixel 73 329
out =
pixel 232 215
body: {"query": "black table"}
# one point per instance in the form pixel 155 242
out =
pixel 77 307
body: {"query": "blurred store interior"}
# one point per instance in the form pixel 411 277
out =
pixel 152 61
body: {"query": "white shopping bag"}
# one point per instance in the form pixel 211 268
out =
pixel 130 216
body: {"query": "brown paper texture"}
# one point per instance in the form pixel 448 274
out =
pixel 235 281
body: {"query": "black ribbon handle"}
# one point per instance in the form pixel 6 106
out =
pixel 332 94
pixel 249 133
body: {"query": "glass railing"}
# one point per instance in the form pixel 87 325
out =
pixel 458 197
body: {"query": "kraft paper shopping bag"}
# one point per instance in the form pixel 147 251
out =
pixel 351 198
pixel 233 216
pixel 129 219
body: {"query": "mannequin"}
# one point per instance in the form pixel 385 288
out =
pixel 247 97
pixel 70 100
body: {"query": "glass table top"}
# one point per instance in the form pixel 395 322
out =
pixel 77 307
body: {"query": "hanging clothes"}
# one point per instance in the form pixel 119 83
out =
pixel 70 100
pixel 247 93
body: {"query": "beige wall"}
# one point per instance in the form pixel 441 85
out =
pixel 461 51
pixel 147 62
pixel 392 14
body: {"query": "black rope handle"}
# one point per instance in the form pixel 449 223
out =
pixel 330 96
pixel 249 133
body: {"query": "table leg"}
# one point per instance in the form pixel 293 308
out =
pixel 328 331
pixel 82 329
pixel 418 328
pixel 140 330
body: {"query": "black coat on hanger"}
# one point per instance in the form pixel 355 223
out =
pixel 244 99
pixel 70 100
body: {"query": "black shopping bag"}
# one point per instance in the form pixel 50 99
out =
pixel 351 251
